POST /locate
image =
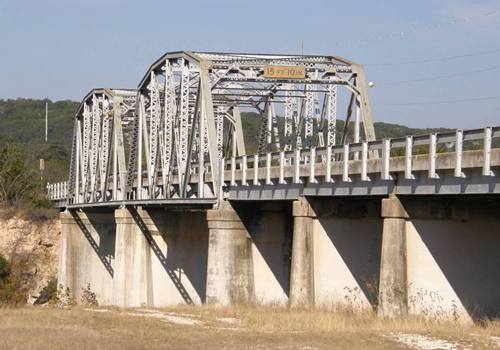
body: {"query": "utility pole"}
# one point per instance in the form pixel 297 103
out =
pixel 42 161
pixel 46 120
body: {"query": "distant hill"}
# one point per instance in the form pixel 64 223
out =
pixel 22 121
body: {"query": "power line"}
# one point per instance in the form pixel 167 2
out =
pixel 418 103
pixel 436 59
pixel 437 77
pixel 401 34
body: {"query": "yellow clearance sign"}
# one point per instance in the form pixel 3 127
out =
pixel 284 72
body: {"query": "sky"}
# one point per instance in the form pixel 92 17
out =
pixel 434 63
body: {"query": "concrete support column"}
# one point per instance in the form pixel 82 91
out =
pixel 229 265
pixel 132 276
pixel 302 269
pixel 393 286
pixel 65 270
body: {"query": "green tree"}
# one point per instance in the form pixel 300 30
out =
pixel 17 179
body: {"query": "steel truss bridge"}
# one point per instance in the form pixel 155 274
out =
pixel 178 138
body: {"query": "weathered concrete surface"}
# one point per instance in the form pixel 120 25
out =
pixel 393 287
pixel 160 258
pixel 302 269
pixel 270 226
pixel 453 260
pixel 347 243
pixel 87 252
pixel 230 268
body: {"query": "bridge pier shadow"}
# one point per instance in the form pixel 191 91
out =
pixel 87 253
pixel 270 226
pixel 175 260
pixel 347 242
pixel 453 260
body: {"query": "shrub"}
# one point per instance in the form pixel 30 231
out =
pixel 48 293
pixel 17 279
pixel 4 269
pixel 12 291
pixel 89 298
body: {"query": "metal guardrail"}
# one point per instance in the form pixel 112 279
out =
pixel 57 191
pixel 273 167
pixel 244 169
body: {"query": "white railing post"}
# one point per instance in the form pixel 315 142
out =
pixel 364 161
pixel 296 167
pixel 201 179
pixel 244 167
pixel 409 158
pixel 487 153
pixel 256 170
pixel 328 173
pixel 386 158
pixel 432 157
pixel 282 168
pixel 233 171
pixel 459 139
pixel 312 165
pixel 345 165
pixel 221 178
pixel 268 168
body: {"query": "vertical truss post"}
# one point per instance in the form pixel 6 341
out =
pixel 238 131
pixel 167 127
pixel 220 130
pixel 183 123
pixel 290 109
pixel 309 117
pixel 95 143
pixel 331 112
pixel 79 162
pixel 366 111
pixel 119 149
pixel 208 112
pixel 139 136
pixel 154 124
pixel 357 119
pixel 85 147
pixel 105 148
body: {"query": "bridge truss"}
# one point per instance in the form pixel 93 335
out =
pixel 186 116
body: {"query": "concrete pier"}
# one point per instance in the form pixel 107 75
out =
pixel 229 265
pixel 132 285
pixel 393 286
pixel 302 269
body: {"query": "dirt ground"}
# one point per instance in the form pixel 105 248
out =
pixel 234 328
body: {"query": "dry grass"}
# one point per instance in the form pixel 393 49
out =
pixel 239 327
